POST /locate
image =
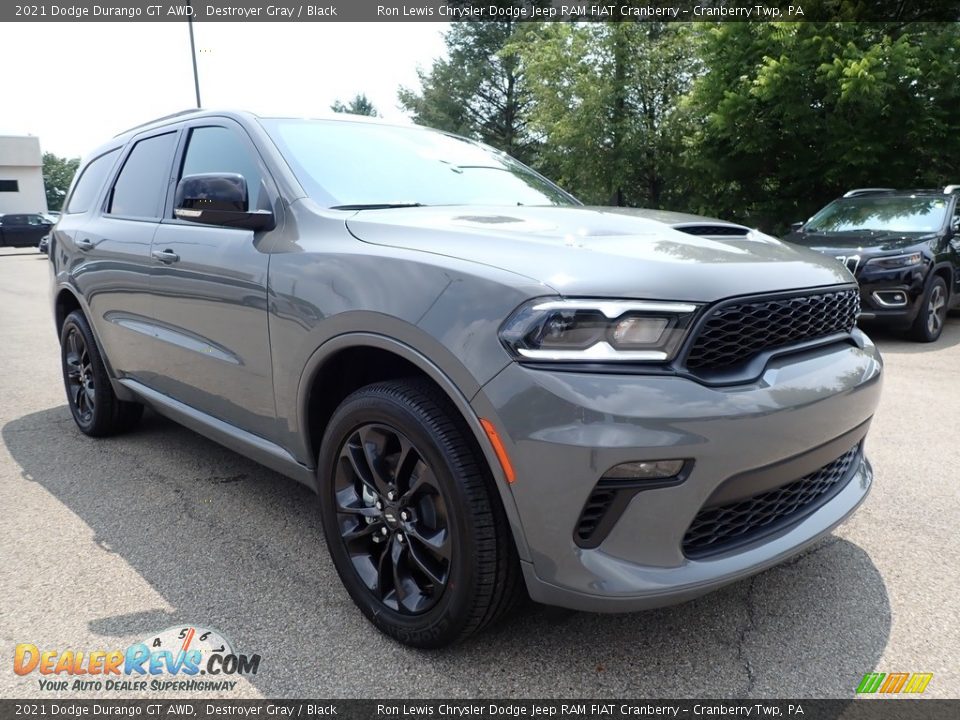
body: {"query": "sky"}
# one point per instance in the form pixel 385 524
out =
pixel 82 83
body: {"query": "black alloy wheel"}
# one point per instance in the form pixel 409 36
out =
pixel 933 314
pixel 95 407
pixel 393 519
pixel 411 515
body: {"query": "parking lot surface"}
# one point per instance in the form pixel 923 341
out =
pixel 103 543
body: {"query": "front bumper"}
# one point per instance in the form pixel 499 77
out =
pixel 564 430
pixel 877 289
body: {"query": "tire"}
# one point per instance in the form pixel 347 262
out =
pixel 436 562
pixel 933 312
pixel 94 406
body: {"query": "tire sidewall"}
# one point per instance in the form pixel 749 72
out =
pixel 451 610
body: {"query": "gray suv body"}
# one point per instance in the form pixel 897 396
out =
pixel 489 384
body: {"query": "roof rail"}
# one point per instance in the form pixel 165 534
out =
pixel 951 189
pixel 156 120
pixel 867 191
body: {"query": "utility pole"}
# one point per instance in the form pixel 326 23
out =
pixel 193 52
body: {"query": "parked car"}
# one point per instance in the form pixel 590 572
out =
pixel 23 229
pixel 489 385
pixel 903 246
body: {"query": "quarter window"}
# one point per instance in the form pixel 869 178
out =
pixel 87 189
pixel 141 187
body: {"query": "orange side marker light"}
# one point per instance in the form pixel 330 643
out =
pixel 499 449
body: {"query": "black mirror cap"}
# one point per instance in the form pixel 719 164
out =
pixel 218 199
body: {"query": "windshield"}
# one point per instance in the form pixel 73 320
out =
pixel 343 163
pixel 881 213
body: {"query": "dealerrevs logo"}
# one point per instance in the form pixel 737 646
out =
pixel 173 659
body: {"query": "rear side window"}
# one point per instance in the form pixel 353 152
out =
pixel 221 150
pixel 141 186
pixel 91 180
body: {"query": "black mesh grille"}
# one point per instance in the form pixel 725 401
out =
pixel 718 528
pixel 735 333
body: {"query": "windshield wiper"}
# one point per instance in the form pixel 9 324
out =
pixel 377 206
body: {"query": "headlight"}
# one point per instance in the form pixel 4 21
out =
pixel 597 330
pixel 892 262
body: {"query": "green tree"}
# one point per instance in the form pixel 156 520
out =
pixel 360 105
pixel 58 173
pixel 789 115
pixel 477 90
pixel 603 98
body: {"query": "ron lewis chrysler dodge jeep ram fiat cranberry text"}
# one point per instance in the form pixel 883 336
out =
pixel 491 386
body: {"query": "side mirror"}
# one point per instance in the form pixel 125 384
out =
pixel 218 199
pixel 796 227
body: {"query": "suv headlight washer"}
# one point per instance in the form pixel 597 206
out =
pixel 597 330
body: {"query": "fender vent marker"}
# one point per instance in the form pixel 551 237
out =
pixel 499 449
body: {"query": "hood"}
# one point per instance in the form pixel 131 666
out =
pixel 872 241
pixel 583 252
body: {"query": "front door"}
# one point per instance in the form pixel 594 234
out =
pixel 209 293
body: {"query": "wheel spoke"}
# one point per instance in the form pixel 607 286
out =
pixel 360 531
pixel 361 510
pixel 385 572
pixel 358 461
pixel 420 477
pixel 407 462
pixel 438 543
pixel 373 451
pixel 425 566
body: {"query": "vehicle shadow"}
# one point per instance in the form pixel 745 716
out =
pixel 237 547
pixel 892 342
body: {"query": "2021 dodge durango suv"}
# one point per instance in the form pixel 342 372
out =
pixel 489 385
pixel 903 246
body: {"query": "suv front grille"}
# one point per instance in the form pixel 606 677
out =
pixel 736 332
pixel 717 529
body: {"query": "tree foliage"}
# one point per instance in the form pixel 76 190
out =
pixel 360 105
pixel 603 95
pixel 477 90
pixel 761 122
pixel 58 173
pixel 791 114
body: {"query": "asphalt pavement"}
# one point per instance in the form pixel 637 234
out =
pixel 105 542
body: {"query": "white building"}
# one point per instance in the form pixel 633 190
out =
pixel 21 175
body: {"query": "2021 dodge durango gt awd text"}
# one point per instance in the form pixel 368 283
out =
pixel 489 385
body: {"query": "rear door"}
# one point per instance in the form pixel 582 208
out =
pixel 113 247
pixel 209 290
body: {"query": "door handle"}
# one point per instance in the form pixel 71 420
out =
pixel 165 256
pixel 85 244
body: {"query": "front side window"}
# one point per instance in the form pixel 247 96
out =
pixel 141 186
pixel 220 150
pixel 342 163
pixel 881 214
pixel 87 189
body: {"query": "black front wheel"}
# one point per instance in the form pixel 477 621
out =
pixel 93 404
pixel 410 515
pixel 933 313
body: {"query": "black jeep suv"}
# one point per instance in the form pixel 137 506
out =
pixel 903 246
